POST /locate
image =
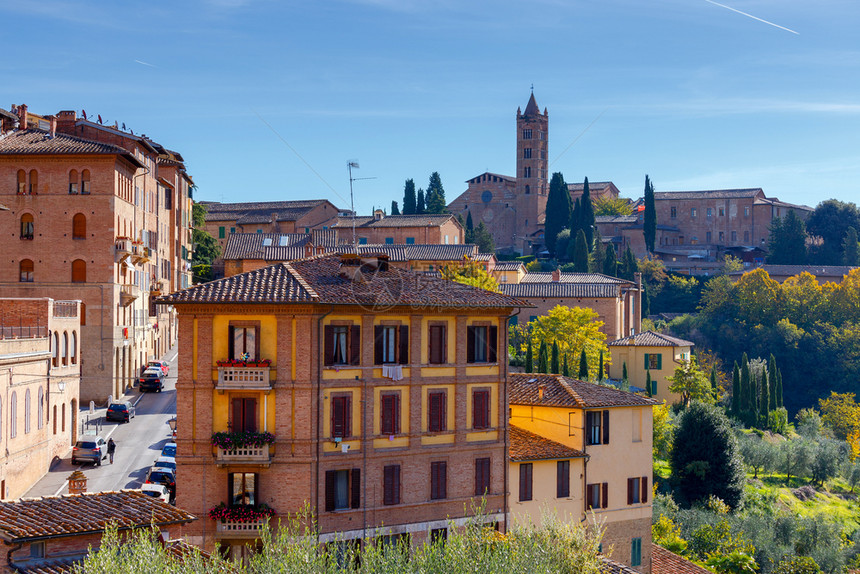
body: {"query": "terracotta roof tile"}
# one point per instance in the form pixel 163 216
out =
pixel 612 567
pixel 437 252
pixel 665 562
pixel 509 266
pixel 616 219
pixel 35 518
pixel 650 339
pixel 526 445
pixel 559 391
pixel 319 280
pixel 261 212
pixel 59 566
pixel 37 142
pixel 580 278
pixel 559 290
pixel 425 220
pixel 709 194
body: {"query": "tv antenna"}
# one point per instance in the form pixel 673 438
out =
pixel 349 165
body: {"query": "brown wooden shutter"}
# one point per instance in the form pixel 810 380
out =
pixel 589 497
pixel 396 486
pixel 396 413
pixel 644 489
pixel 470 344
pixel 355 345
pixel 441 479
pixel 482 476
pixel 250 415
pixel 328 345
pixel 378 334
pixel 525 481
pixel 336 416
pixel 257 343
pixel 605 495
pixel 230 499
pixel 403 345
pixel 434 481
pixel 443 339
pixel 433 411
pixel 391 484
pixel 355 498
pixel 347 416
pixel 443 411
pixel 630 490
pixel 389 422
pixel 236 419
pixel 562 479
pixel 230 346
pixel 493 344
pixel 605 427
pixel 330 489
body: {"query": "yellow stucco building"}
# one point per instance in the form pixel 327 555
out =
pixel 651 352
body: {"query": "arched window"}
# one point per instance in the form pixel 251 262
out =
pixel 27 411
pixel 22 182
pixel 85 182
pixel 79 226
pixel 73 182
pixel 40 408
pixel 79 271
pixel 55 419
pixel 64 350
pixel 13 415
pixel 55 350
pixel 74 350
pixel 63 425
pixel 26 269
pixel 528 189
pixel 27 226
pixel 34 182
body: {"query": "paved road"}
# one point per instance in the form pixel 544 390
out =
pixel 138 443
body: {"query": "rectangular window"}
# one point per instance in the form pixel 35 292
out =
pixel 693 212
pixel 562 479
pixel 722 212
pixel 410 241
pixel 636 552
pixel 482 476
pixel 637 490
pixel 527 153
pixel 342 489
pixel 597 427
pixel 389 241
pixel 391 344
pixel 527 171
pixel 595 494
pixel 481 344
pixel 243 416
pixel 722 236
pixel 707 237
pixel 746 236
pixel 391 484
pixel 734 236
pixel 243 343
pixel 710 212
pixel 342 345
pixel 437 419
pixel 527 134
pixel 243 488
pixel 390 415
pixel 220 233
pixel 232 230
pixel 674 212
pixel 746 211
pixel 362 240
pixel 438 344
pixel 525 481
pixel 341 415
pixel 653 361
pixel 438 480
pixel 480 409
pixel 438 535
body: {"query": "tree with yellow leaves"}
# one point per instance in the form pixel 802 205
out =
pixel 574 329
pixel 841 413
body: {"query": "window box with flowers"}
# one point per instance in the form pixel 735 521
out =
pixel 244 374
pixel 243 447
pixel 242 519
pixel 245 363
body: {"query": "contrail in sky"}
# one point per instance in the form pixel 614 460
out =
pixel 146 64
pixel 753 17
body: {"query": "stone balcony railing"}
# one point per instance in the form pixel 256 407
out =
pixel 255 378
pixel 237 529
pixel 258 455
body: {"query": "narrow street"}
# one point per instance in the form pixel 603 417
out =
pixel 138 443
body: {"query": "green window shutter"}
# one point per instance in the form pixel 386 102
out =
pixel 647 361
pixel 660 361
pixel 220 233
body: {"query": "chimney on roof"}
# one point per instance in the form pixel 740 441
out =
pixel 77 482
pixel 556 275
pixel 22 116
pixel 53 126
pixel 378 214
pixel 541 389
pixel 66 120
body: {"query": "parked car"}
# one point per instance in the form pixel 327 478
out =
pixel 159 491
pixel 169 449
pixel 152 379
pixel 165 368
pixel 165 462
pixel 89 449
pixel 121 411
pixel 163 476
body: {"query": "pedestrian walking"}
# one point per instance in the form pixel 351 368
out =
pixel 111 449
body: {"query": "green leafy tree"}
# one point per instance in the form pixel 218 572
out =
pixel 610 262
pixel 735 562
pixel 565 370
pixel 394 209
pixel 611 206
pixel 470 228
pixel 410 204
pixel 562 244
pixel 629 266
pixel 574 329
pixel 663 430
pixel 554 366
pixel 705 459
pixel 771 383
pixel 435 196
pixel 469 272
pixel 691 383
pixel 851 248
pixel 543 358
pixel 598 253
pixel 420 205
pixel 600 367
pixel 206 247
pixel 830 222
pixel 586 217
pixel 646 300
pixel 558 210
pixel 797 565
pixel 583 366
pixel 650 216
pixel 648 387
pixel 787 241
pixel 736 390
pixel 758 454
pixel 482 237
pixel 794 458
pixel 580 253
pixel 745 388
pixel 530 361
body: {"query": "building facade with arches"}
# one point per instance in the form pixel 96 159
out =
pixel 40 375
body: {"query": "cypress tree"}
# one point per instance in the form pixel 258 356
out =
pixel 435 196
pixel 543 358
pixel 420 207
pixel 583 366
pixel 564 369
pixel 624 371
pixel 558 210
pixel 745 388
pixel 530 361
pixel 409 200
pixel 580 253
pixel 575 218
pixel 648 383
pixel 778 389
pixel 554 361
pixel 600 367
pixel 851 248
pixel 650 216
pixel 598 253
pixel 752 400
pixel 736 391
pixel 771 383
pixel 394 209
pixel 764 404
pixel 586 218
pixel 610 262
pixel 629 266
pixel 470 226
pixel 714 379
pixel 646 300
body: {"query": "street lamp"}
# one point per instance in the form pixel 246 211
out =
pixel 172 424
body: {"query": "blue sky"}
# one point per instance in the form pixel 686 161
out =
pixel 268 100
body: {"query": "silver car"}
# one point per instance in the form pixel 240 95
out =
pixel 89 449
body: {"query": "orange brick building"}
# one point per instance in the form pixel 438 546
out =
pixel 103 216
pixel 428 228
pixel 384 391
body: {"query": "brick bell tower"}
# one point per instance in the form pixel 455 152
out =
pixel 532 176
